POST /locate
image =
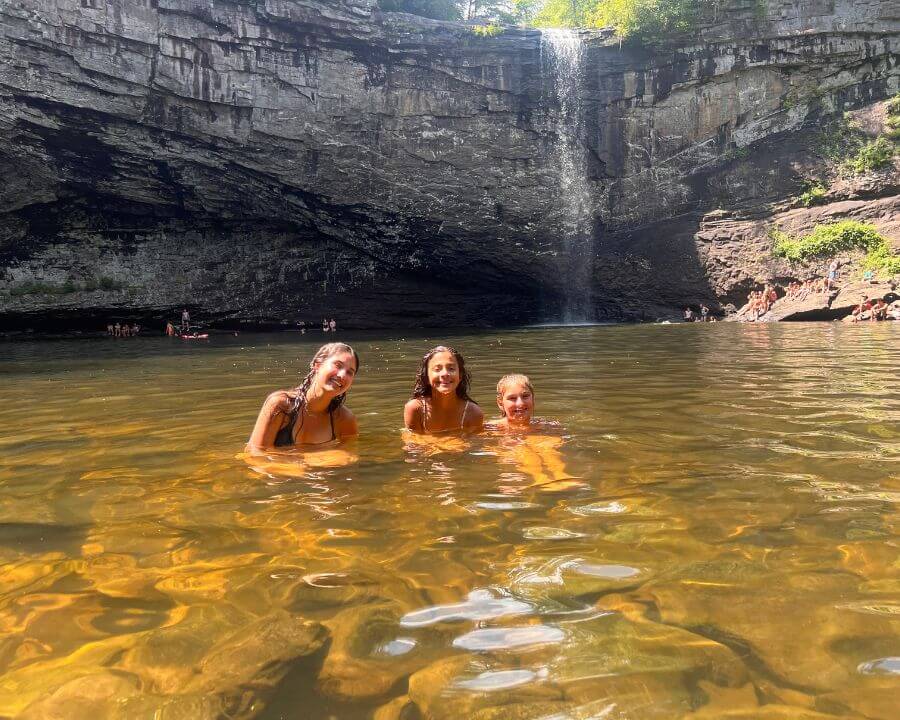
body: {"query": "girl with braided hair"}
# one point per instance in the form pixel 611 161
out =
pixel 312 413
pixel 440 401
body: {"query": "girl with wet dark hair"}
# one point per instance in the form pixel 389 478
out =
pixel 440 400
pixel 313 413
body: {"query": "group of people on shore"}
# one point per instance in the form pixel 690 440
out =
pixel 314 412
pixel 329 325
pixel 123 329
pixel 875 310
pixel 183 329
pixel 800 290
pixel 759 302
pixel 702 316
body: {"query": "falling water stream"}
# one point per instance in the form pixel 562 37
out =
pixel 562 61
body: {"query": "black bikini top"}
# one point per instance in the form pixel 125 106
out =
pixel 285 436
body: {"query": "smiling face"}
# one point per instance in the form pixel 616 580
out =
pixel 335 374
pixel 517 403
pixel 443 373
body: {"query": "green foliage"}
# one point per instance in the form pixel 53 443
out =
pixel 882 259
pixel 813 195
pixel 647 21
pixel 486 30
pixel 844 143
pixel 893 106
pixel 102 283
pixel 39 287
pixel 738 153
pixel 760 9
pixel 827 240
pixel 434 9
pixel 499 10
pixel 872 155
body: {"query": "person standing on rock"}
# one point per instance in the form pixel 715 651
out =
pixel 688 315
pixel 332 325
pixel 185 321
pixel 704 313
pixel 832 275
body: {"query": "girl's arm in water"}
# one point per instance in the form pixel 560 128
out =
pixel 270 420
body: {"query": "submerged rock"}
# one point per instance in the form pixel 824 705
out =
pixel 357 666
pixel 437 693
pixel 258 653
pixel 806 642
pixel 84 698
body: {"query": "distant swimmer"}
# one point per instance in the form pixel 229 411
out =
pixel 170 329
pixel 185 321
pixel 440 400
pixel 312 413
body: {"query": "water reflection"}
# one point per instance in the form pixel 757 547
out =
pixel 723 538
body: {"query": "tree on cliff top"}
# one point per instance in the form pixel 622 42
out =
pixel 646 20
pixel 643 20
pixel 454 9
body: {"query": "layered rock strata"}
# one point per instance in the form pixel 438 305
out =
pixel 278 160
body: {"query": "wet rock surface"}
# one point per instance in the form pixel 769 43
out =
pixel 272 162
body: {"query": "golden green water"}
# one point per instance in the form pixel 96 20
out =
pixel 732 550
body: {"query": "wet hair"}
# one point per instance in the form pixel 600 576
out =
pixel 422 387
pixel 508 380
pixel 322 354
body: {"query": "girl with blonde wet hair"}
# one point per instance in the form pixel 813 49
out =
pixel 535 453
pixel 515 398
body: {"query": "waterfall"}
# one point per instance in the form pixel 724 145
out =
pixel 561 63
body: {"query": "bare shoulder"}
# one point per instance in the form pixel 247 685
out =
pixel 413 405
pixel 278 402
pixel 474 417
pixel 345 422
pixel 412 414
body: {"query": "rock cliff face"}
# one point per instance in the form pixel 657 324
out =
pixel 271 160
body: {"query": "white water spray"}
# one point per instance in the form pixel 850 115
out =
pixel 561 61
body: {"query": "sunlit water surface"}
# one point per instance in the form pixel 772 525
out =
pixel 727 548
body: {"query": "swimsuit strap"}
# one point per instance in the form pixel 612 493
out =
pixel 462 420
pixel 331 420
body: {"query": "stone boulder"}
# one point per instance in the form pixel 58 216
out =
pixel 851 294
